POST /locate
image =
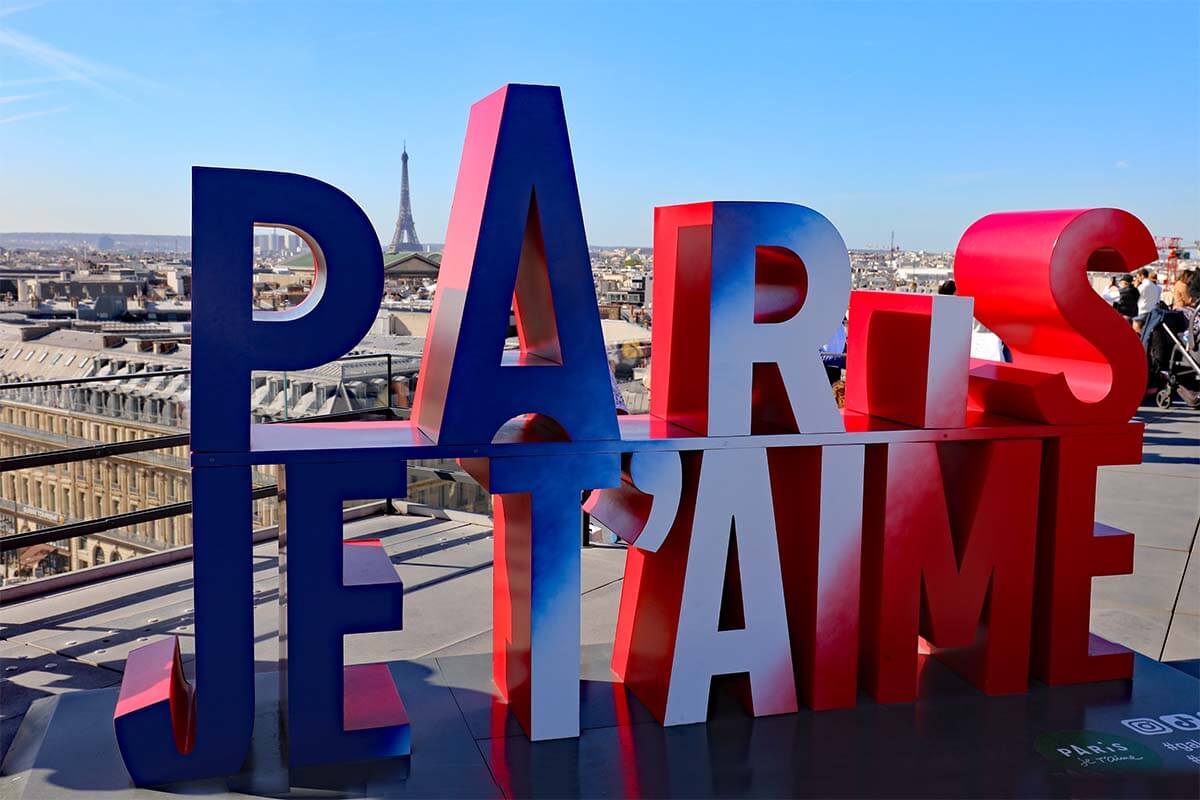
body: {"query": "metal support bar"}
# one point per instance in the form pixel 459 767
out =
pixel 133 376
pixel 83 528
pixel 153 373
pixel 148 374
pixel 87 527
pixel 53 457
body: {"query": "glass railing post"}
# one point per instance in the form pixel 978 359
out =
pixel 388 508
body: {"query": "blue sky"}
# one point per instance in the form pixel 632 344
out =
pixel 917 117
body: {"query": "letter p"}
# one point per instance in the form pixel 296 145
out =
pixel 229 338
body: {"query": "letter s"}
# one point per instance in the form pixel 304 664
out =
pixel 1075 361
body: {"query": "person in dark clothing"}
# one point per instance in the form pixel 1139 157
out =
pixel 1127 300
pixel 1191 394
pixel 948 287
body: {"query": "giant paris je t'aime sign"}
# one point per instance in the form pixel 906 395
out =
pixel 951 500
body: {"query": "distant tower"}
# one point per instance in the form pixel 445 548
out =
pixel 406 231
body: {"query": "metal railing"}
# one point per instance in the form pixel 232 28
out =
pixel 148 374
pixel 74 449
pixel 71 530
pixel 114 521
pixel 153 406
pixel 145 374
pixel 87 452
pixel 76 528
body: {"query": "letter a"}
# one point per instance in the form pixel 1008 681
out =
pixel 675 643
pixel 516 231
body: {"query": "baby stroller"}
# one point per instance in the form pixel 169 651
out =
pixel 1168 359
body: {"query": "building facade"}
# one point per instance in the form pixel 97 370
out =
pixel 144 400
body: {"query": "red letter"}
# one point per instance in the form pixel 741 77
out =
pixel 925 383
pixel 954 537
pixel 1075 360
pixel 1071 549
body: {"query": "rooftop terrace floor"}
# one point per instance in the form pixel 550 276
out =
pixel 78 640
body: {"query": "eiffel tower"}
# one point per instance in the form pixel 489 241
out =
pixel 405 237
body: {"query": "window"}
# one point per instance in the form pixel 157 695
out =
pixel 57 357
pixel 16 353
pixel 70 358
pixel 29 355
pixel 42 356
pixel 97 556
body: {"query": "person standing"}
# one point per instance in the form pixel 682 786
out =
pixel 1191 394
pixel 1181 298
pixel 1126 303
pixel 1149 293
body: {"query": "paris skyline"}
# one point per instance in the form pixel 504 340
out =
pixel 917 118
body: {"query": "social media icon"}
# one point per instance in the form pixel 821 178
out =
pixel 1145 726
pixel 1181 722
